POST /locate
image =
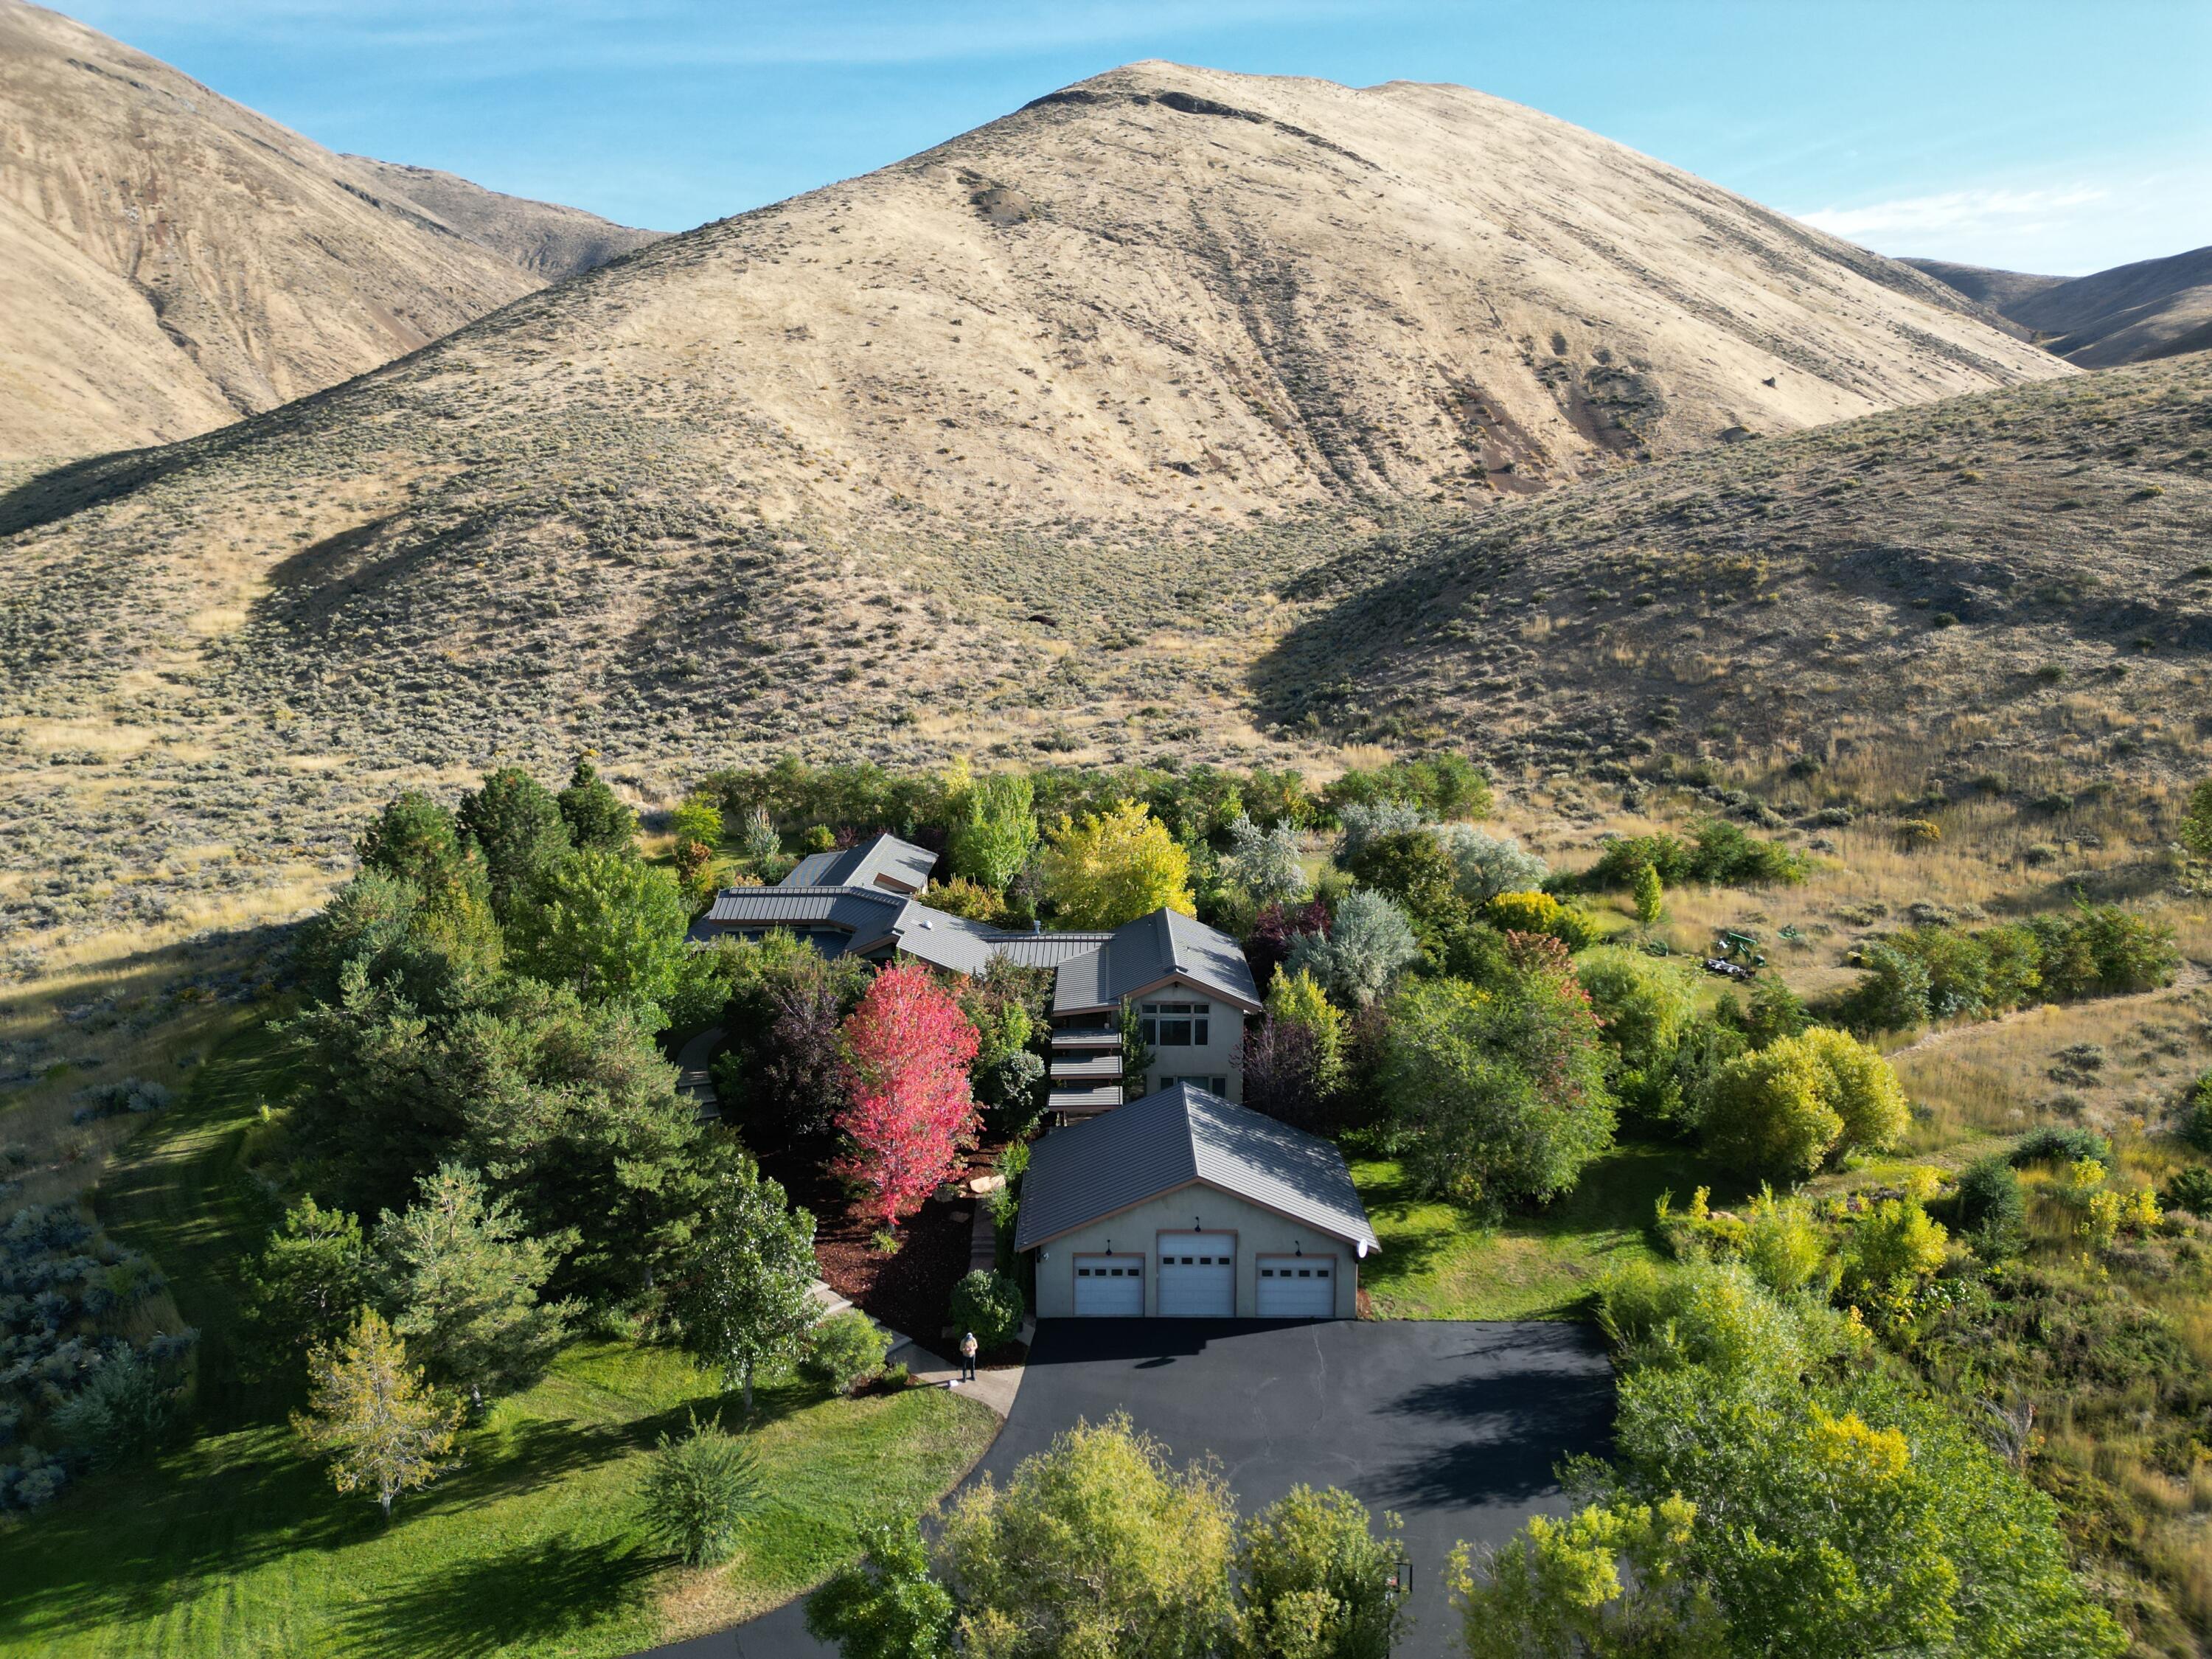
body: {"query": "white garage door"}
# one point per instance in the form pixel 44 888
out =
pixel 1297 1287
pixel 1197 1275
pixel 1109 1286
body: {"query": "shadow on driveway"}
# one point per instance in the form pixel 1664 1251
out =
pixel 1457 1427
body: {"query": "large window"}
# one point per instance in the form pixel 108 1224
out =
pixel 1174 1024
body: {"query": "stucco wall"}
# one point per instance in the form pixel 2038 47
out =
pixel 1259 1232
pixel 1220 1056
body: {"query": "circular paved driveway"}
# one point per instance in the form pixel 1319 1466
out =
pixel 1457 1427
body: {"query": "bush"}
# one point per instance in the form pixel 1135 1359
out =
pixel 1989 1209
pixel 1787 1108
pixel 2060 1144
pixel 2190 1189
pixel 125 1408
pixel 1540 913
pixel 698 1492
pixel 2196 1125
pixel 991 1305
pixel 844 1350
pixel 1723 855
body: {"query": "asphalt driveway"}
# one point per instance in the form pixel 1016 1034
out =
pixel 1456 1426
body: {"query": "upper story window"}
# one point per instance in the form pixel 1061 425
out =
pixel 1174 1025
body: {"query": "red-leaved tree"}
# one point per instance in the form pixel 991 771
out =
pixel 907 1049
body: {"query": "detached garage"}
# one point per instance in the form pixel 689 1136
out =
pixel 1183 1206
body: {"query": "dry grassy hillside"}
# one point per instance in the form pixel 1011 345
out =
pixel 2131 314
pixel 551 242
pixel 2015 586
pixel 1004 449
pixel 2128 314
pixel 1999 290
pixel 170 260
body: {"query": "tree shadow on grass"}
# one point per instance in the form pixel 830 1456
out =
pixel 526 1595
pixel 534 1454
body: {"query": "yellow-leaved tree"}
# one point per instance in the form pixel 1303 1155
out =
pixel 372 1415
pixel 1102 872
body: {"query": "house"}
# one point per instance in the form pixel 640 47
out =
pixel 1188 984
pixel 1184 1205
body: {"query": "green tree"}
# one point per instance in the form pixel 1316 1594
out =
pixel 124 1409
pixel 373 1416
pixel 698 818
pixel 996 831
pixel 1314 1581
pixel 461 1281
pixel 597 819
pixel 887 1604
pixel 1411 867
pixel 1646 1006
pixel 747 1295
pixel 516 825
pixel 1114 868
pixel 1613 1579
pixel 1496 1096
pixel 302 1290
pixel 416 840
pixel 699 1491
pixel 1860 1519
pixel 1650 896
pixel 1097 1547
pixel 572 1112
pixel 609 924
pixel 371 920
pixel 1786 1109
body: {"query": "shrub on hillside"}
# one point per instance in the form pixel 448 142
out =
pixel 1785 1109
pixel 2060 1144
pixel 1540 913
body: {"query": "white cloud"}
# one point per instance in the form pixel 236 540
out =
pixel 1953 212
pixel 2066 228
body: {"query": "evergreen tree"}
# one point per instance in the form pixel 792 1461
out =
pixel 597 820
pixel 372 1415
pixel 303 1289
pixel 517 827
pixel 461 1280
pixel 1650 894
pixel 746 1298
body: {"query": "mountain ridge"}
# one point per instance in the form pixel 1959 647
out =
pixel 171 260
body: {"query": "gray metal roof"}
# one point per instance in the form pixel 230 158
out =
pixel 1047 949
pixel 1149 950
pixel 868 864
pixel 849 907
pixel 1182 1133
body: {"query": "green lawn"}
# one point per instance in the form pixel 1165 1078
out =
pixel 1437 1262
pixel 233 1545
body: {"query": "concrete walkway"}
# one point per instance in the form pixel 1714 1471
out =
pixel 995 1388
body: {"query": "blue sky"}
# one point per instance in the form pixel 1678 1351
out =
pixel 2021 133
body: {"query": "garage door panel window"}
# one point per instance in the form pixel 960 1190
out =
pixel 1109 1286
pixel 1297 1287
pixel 1197 1275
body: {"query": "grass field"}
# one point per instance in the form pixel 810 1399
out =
pixel 1439 1263
pixel 233 1545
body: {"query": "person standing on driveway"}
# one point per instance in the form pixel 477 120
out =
pixel 968 1358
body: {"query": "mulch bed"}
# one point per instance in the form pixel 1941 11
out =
pixel 909 1289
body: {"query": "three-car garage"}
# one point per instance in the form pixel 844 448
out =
pixel 1184 1205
